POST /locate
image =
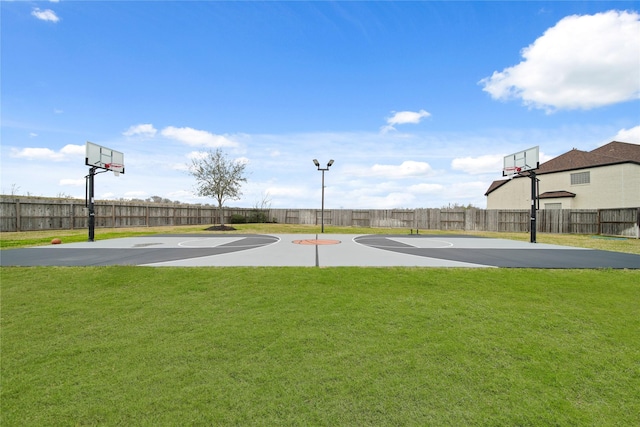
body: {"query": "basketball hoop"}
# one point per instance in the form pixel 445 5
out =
pixel 521 161
pixel 117 168
pixel 511 170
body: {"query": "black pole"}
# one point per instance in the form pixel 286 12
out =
pixel 317 163
pixel 92 214
pixel 534 195
pixel 322 211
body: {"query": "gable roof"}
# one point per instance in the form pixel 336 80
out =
pixel 495 185
pixel 609 154
pixel 620 150
pixel 556 194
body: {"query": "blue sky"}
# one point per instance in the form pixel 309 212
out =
pixel 417 102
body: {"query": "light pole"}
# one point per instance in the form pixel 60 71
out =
pixel 315 162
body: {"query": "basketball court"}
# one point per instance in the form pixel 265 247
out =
pixel 317 250
pixel 322 250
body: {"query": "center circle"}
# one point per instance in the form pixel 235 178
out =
pixel 316 242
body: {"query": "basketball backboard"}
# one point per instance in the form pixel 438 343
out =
pixel 521 161
pixel 104 158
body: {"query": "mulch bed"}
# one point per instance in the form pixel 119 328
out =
pixel 220 228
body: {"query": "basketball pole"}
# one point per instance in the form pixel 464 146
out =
pixel 534 196
pixel 91 205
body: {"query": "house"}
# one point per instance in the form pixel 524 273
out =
pixel 607 177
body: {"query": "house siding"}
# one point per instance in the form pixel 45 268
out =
pixel 612 186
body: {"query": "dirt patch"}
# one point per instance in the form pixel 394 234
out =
pixel 220 228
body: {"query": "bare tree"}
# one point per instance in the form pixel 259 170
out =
pixel 218 177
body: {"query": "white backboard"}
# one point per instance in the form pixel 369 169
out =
pixel 104 158
pixel 521 161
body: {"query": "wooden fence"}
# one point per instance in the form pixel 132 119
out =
pixel 30 213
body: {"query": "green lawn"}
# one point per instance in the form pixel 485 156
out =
pixel 319 346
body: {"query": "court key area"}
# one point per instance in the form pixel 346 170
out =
pixel 317 250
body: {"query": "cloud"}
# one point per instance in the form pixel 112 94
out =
pixel 197 155
pixel 404 117
pixel 135 194
pixel 73 182
pixel 45 15
pixel 628 135
pixel 583 62
pixel 197 138
pixel 73 150
pixel 145 130
pixel 425 188
pixel 68 152
pixel 407 169
pixel 488 163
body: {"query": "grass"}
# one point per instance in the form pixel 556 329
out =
pixel 10 240
pixel 331 346
pixel 336 346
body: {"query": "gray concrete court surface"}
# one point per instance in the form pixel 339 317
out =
pixel 316 250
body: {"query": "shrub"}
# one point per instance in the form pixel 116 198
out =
pixel 237 219
pixel 257 216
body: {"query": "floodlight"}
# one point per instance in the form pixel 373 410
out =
pixel 323 170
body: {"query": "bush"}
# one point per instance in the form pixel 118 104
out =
pixel 257 217
pixel 237 219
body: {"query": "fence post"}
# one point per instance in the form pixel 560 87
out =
pixel 18 215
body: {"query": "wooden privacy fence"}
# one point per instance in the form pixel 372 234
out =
pixel 30 213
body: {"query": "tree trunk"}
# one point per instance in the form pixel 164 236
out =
pixel 221 210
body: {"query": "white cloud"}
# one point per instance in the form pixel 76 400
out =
pixel 398 200
pixel 583 62
pixel 404 117
pixel 72 182
pixel 68 152
pixel 292 191
pixel 197 138
pixel 407 169
pixel 145 130
pixel 45 15
pixel 628 135
pixel 466 190
pixel 135 194
pixel 425 188
pixel 488 163
pixel 197 155
pixel 73 150
pixel 35 153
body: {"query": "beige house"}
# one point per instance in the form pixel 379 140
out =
pixel 607 177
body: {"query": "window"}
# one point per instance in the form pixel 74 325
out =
pixel 580 178
pixel 553 205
